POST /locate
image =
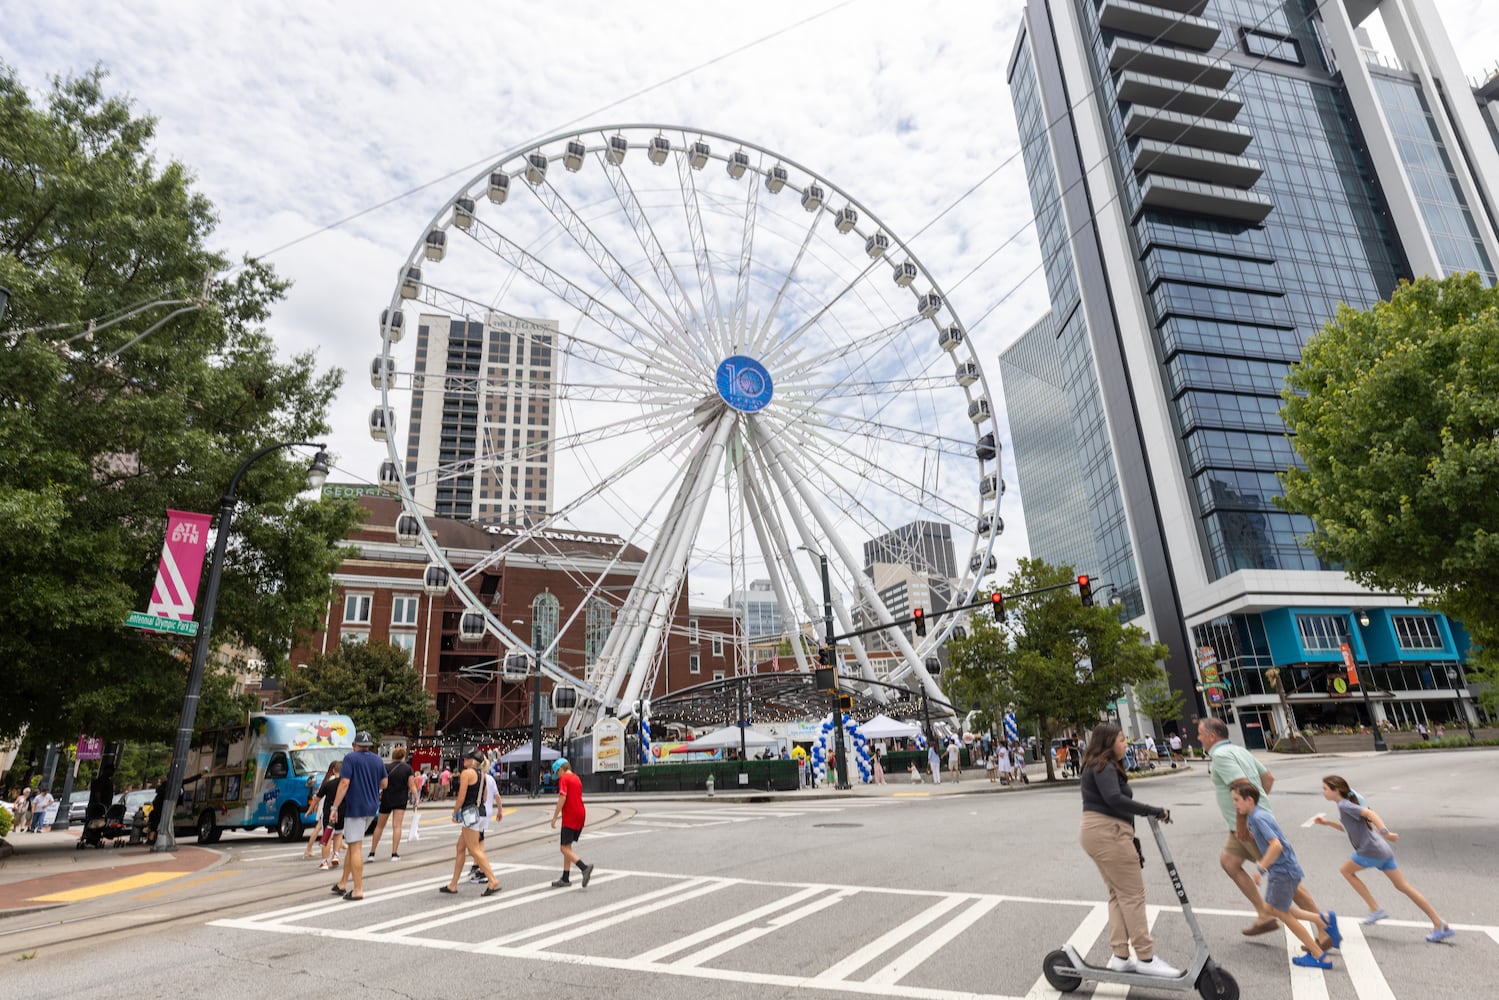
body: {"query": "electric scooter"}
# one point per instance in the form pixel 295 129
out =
pixel 1065 969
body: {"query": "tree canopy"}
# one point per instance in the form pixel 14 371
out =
pixel 1395 412
pixel 371 682
pixel 135 376
pixel 1058 662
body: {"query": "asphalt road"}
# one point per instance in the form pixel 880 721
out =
pixel 909 894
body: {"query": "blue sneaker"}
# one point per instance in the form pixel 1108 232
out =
pixel 1441 934
pixel 1331 919
pixel 1375 916
pixel 1309 961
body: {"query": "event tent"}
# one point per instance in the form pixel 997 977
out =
pixel 727 738
pixel 522 754
pixel 882 727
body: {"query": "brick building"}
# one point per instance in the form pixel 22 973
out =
pixel 540 584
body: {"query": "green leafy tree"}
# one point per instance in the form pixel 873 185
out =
pixel 1060 664
pixel 371 682
pixel 105 426
pixel 1395 412
pixel 1157 700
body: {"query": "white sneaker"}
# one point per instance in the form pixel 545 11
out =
pixel 1157 967
pixel 1117 964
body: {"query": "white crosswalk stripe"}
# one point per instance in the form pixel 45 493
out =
pixel 775 934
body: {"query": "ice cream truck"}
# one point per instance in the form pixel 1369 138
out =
pixel 263 772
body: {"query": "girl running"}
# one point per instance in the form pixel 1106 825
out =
pixel 1371 849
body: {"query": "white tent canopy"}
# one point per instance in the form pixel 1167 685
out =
pixel 882 727
pixel 728 738
pixel 522 755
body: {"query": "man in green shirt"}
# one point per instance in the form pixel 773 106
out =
pixel 1228 763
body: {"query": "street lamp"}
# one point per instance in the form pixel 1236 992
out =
pixel 1362 617
pixel 317 475
pixel 534 669
pixel 841 767
pixel 1459 680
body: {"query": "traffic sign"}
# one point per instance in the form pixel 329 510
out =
pixel 159 623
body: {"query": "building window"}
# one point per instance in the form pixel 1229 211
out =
pixel 403 610
pixel 354 638
pixel 545 611
pixel 600 619
pixel 718 645
pixel 1417 631
pixel 357 609
pixel 1324 633
pixel 718 675
pixel 694 666
pixel 1269 46
pixel 406 641
pixel 692 631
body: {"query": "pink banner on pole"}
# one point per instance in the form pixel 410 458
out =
pixel 176 587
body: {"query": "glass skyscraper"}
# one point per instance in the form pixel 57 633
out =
pixel 1211 179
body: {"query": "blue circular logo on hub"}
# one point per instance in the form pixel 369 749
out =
pixel 744 384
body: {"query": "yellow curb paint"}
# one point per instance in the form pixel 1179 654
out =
pixel 157 893
pixel 911 795
pixel 106 888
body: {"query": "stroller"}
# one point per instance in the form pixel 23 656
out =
pixel 111 827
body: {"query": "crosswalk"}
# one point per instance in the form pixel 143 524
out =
pixel 926 945
pixel 690 816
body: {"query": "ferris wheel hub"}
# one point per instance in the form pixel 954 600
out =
pixel 744 383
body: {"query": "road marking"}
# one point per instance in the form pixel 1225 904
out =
pixel 513 938
pixel 728 944
pixel 1306 984
pixel 719 929
pixel 1363 970
pixel 678 895
pixel 932 943
pixel 890 939
pixel 1081 940
pixel 201 880
pixel 108 888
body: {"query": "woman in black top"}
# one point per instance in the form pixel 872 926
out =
pixel 399 792
pixel 332 836
pixel 470 812
pixel 1108 835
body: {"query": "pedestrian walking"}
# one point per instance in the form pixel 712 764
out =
pixel 1002 764
pixel 571 811
pixel 468 810
pixel 490 813
pixel 1174 744
pixel 1281 873
pixel 955 760
pixel 40 803
pixel 1150 751
pixel 357 803
pixel 1061 759
pixel 1422 732
pixel 329 835
pixel 991 765
pixel 934 763
pixel 1107 835
pixel 878 768
pixel 1017 765
pixel 1371 841
pixel 444 781
pixel 1227 763
pixel 21 810
pixel 400 791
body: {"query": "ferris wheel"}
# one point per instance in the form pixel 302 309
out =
pixel 715 356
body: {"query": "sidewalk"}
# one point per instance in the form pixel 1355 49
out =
pixel 47 870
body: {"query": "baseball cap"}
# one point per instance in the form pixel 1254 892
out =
pixel 364 739
pixel 559 764
pixel 474 755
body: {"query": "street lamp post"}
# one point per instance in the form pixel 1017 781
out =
pixel 317 474
pixel 841 765
pixel 1460 678
pixel 534 668
pixel 1362 617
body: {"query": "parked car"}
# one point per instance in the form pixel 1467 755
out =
pixel 136 800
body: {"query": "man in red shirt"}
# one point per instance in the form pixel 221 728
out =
pixel 570 810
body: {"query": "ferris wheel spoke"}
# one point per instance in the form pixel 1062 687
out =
pixel 871 342
pixel 771 537
pixel 581 301
pixel 740 315
pixel 868 387
pixel 614 272
pixel 773 312
pixel 893 433
pixel 714 325
pixel 655 256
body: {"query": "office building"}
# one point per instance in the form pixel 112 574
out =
pixel 480 442
pixel 1211 179
pixel 758 610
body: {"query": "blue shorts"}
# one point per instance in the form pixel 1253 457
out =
pixel 1279 889
pixel 1380 864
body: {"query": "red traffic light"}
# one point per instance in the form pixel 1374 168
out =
pixel 918 616
pixel 998 600
pixel 1085 590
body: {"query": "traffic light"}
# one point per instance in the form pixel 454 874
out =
pixel 1085 590
pixel 825 656
pixel 846 702
pixel 919 617
pixel 998 600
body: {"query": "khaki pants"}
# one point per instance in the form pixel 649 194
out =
pixel 1110 843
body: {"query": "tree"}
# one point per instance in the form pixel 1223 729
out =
pixel 1157 700
pixel 115 407
pixel 1061 664
pixel 1395 412
pixel 371 682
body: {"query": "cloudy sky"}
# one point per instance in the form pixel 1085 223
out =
pixel 297 116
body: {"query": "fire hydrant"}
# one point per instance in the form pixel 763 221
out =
pixel 710 786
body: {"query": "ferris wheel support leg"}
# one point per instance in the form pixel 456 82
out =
pixel 866 587
pixel 700 488
pixel 777 554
